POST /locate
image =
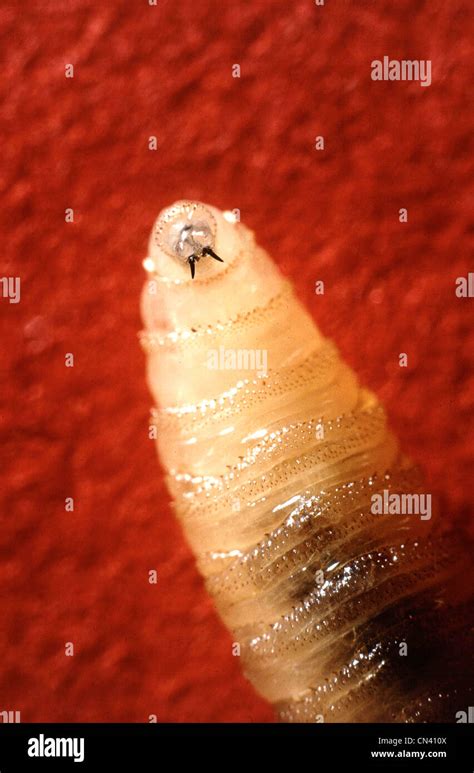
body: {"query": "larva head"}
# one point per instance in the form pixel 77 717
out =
pixel 172 299
pixel 177 308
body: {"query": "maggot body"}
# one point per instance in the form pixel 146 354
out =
pixel 316 536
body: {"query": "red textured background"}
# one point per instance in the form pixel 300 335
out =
pixel 144 649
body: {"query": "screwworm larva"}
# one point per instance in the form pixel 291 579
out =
pixel 312 529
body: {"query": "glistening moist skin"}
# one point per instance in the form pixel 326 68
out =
pixel 350 598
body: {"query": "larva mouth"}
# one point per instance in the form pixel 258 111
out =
pixel 185 229
pixel 184 234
